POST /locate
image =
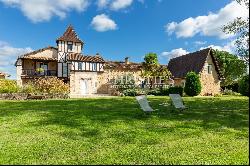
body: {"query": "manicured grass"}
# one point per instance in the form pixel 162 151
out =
pixel 116 131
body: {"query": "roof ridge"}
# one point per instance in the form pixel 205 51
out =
pixel 70 35
pixel 36 51
pixel 191 53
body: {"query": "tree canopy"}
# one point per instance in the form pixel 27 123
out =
pixel 232 67
pixel 151 66
pixel 240 28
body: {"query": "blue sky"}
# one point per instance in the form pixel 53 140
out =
pixel 116 28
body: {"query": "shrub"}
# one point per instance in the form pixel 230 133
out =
pixel 156 92
pixel 193 84
pixel 244 85
pixel 176 90
pixel 234 87
pixel 129 92
pixel 8 86
pixel 29 88
pixel 218 95
pixel 133 92
pixel 230 92
pixel 51 85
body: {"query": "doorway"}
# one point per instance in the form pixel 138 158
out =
pixel 83 87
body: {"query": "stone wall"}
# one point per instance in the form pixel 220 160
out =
pixel 23 96
pixel 210 82
pixel 179 82
pixel 75 83
pixel 104 78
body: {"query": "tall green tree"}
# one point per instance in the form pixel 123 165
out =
pixel 150 64
pixel 152 68
pixel 240 28
pixel 231 66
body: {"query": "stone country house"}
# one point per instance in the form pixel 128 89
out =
pixel 88 75
pixel 202 62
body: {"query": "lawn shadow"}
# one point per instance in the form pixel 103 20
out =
pixel 211 112
pixel 76 115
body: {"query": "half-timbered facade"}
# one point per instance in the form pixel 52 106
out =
pixel 65 61
pixel 89 75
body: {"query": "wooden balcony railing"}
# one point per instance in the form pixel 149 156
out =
pixel 33 73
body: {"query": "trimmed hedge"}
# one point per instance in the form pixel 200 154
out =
pixel 176 90
pixel 244 85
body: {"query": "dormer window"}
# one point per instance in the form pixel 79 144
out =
pixel 70 47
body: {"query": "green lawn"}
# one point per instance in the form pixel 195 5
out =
pixel 116 131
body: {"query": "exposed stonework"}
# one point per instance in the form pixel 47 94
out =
pixel 210 82
pixel 83 83
pixel 23 96
pixel 108 74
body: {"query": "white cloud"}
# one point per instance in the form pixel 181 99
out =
pixel 44 10
pixel 174 53
pixel 102 23
pixel 8 55
pixel 116 4
pixel 102 3
pixel 120 4
pixel 197 43
pixel 229 47
pixel 208 25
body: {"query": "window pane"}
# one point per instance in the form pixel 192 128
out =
pixel 80 66
pixel 70 47
pixel 94 67
pixel 209 69
pixel 65 69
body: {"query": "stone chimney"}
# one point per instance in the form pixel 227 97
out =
pixel 98 55
pixel 127 60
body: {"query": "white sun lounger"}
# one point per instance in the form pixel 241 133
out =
pixel 142 100
pixel 177 101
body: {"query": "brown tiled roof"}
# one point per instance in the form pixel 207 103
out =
pixel 29 55
pixel 195 61
pixel 41 58
pixel 85 58
pixel 122 65
pixel 70 35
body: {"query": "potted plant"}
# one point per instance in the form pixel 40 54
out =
pixel 40 70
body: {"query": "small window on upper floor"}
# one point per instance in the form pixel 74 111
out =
pixel 70 47
pixel 80 66
pixel 94 67
pixel 209 69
